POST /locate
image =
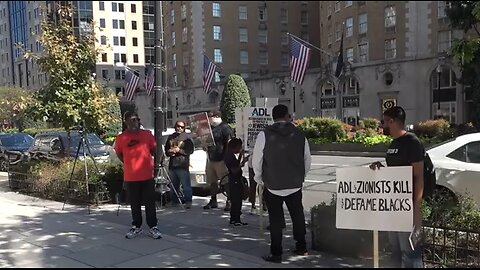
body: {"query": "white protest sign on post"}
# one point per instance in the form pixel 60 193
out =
pixel 380 200
pixel 255 119
pixel 239 123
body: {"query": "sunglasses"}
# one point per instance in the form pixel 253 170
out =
pixel 180 126
pixel 134 119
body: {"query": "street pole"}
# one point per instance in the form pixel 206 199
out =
pixel 294 103
pixel 176 105
pixel 439 73
pixel 160 86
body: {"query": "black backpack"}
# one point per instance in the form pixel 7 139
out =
pixel 429 177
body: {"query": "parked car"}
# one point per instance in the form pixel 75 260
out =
pixel 13 148
pixel 56 146
pixel 457 165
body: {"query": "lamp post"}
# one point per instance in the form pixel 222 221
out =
pixel 176 105
pixel 439 73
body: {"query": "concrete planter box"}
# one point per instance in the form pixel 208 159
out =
pixel 348 147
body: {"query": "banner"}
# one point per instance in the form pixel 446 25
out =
pixel 202 135
pixel 255 119
pixel 380 200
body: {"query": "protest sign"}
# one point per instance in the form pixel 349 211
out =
pixel 202 135
pixel 380 200
pixel 256 119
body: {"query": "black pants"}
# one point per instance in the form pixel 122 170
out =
pixel 277 219
pixel 142 193
pixel 235 196
pixel 253 188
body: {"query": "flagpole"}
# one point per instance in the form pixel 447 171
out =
pixel 311 45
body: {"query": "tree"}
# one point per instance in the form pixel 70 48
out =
pixel 71 97
pixel 465 15
pixel 13 102
pixel 235 95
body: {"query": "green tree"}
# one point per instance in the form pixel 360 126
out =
pixel 71 97
pixel 13 102
pixel 235 95
pixel 465 15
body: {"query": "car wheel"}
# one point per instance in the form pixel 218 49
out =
pixel 3 165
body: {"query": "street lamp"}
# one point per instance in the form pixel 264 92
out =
pixel 439 74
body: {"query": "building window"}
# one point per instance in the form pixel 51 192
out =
pixel 120 74
pixel 172 16
pixel 338 32
pixel 305 36
pixel 185 58
pixel 133 8
pixel 116 41
pixel 444 41
pixel 134 25
pixel 390 20
pixel 122 24
pixel 390 48
pixel 135 58
pixel 114 7
pixel 174 60
pixel 262 36
pixel 173 38
pixel 442 6
pixel 104 57
pixel 217 76
pixel 263 58
pixel 304 17
pixel 102 5
pixel 283 15
pixel 217 32
pixel 122 41
pixel 184 12
pixel 284 60
pixel 337 6
pixel 216 9
pixel 262 14
pixel 330 38
pixel 175 80
pixel 242 13
pixel 102 23
pixel 217 55
pixel 184 35
pixel 362 23
pixel 284 38
pixel 348 3
pixel 329 8
pixel 363 52
pixel 349 24
pixel 135 41
pixel 115 24
pixel 120 7
pixel 243 35
pixel 103 40
pixel 349 53
pixel 244 57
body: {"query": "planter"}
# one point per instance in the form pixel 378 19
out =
pixel 327 238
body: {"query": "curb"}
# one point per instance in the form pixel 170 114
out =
pixel 349 154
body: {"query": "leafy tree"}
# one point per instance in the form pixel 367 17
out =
pixel 465 15
pixel 71 97
pixel 235 95
pixel 13 102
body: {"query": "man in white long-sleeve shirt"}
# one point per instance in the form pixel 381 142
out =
pixel 281 159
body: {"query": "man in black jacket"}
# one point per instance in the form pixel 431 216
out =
pixel 179 148
pixel 216 168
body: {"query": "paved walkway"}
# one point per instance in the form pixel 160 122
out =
pixel 37 233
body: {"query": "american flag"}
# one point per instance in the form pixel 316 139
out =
pixel 131 84
pixel 150 80
pixel 208 73
pixel 299 60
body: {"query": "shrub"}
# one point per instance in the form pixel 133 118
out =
pixel 326 128
pixel 113 178
pixel 110 140
pixel 433 128
pixel 369 123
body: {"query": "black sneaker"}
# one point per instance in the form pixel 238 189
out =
pixel 300 252
pixel 273 259
pixel 210 205
pixel 238 223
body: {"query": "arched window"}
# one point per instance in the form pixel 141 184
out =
pixel 213 97
pixel 350 101
pixel 443 86
pixel 328 99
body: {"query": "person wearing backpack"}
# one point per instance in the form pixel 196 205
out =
pixel 405 150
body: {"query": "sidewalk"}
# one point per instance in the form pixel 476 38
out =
pixel 37 233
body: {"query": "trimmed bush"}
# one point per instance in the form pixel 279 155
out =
pixel 370 123
pixel 235 95
pixel 433 128
pixel 331 130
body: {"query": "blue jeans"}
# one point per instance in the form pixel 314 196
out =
pixel 403 254
pixel 180 176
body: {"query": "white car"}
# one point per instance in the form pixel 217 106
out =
pixel 198 163
pixel 457 165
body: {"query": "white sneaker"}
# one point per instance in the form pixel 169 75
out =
pixel 134 231
pixel 155 233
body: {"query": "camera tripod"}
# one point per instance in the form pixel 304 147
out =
pixel 83 143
